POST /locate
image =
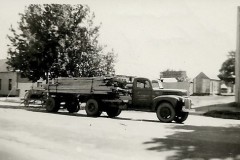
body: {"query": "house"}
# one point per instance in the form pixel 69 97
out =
pixel 203 85
pixel 175 80
pixel 12 83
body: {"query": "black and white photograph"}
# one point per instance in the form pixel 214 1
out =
pixel 120 80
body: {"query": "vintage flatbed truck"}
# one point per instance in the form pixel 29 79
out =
pixel 111 96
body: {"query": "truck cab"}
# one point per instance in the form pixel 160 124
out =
pixel 169 104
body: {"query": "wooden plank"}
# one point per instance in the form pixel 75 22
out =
pixel 80 87
pixel 71 91
pixel 79 92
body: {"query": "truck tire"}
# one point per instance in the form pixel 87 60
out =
pixel 50 105
pixel 72 106
pixel 181 117
pixel 92 108
pixel 113 112
pixel 165 112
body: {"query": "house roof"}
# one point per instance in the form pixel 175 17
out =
pixel 3 65
pixel 202 76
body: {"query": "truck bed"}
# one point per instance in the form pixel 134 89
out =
pixel 91 85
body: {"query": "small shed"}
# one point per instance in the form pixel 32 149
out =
pixel 203 85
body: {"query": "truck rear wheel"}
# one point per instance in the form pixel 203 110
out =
pixel 113 112
pixel 165 112
pixel 181 117
pixel 51 105
pixel 92 108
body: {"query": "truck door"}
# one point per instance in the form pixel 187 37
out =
pixel 142 93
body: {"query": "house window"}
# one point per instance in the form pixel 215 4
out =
pixel 0 84
pixel 10 84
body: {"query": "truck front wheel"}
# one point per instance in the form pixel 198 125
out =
pixel 165 112
pixel 92 108
pixel 181 117
pixel 113 112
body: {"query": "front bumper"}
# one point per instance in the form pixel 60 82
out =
pixel 187 105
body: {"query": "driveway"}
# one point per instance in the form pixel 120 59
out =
pixel 199 101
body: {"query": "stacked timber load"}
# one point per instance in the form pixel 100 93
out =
pixel 86 85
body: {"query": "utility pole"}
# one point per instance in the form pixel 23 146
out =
pixel 237 65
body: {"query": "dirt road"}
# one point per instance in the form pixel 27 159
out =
pixel 37 135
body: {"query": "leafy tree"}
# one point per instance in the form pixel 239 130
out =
pixel 227 71
pixel 55 40
pixel 107 66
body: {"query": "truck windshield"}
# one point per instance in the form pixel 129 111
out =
pixel 143 84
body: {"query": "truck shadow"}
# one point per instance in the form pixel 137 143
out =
pixel 84 115
pixel 132 119
pixel 199 142
pixel 62 112
pixel 43 110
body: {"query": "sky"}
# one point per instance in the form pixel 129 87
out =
pixel 150 36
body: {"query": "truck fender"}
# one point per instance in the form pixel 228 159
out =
pixel 173 100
